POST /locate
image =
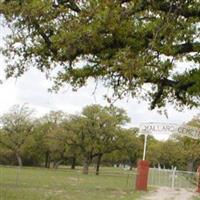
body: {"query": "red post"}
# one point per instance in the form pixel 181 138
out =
pixel 142 175
pixel 198 179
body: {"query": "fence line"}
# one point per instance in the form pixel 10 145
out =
pixel 172 178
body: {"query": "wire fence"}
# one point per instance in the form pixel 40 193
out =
pixel 172 178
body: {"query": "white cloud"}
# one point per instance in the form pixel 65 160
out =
pixel 7 96
pixel 32 89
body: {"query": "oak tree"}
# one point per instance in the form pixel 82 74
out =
pixel 17 126
pixel 133 46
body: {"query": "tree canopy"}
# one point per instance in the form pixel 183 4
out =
pixel 96 132
pixel 133 46
pixel 16 126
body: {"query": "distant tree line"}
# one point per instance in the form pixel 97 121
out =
pixel 97 136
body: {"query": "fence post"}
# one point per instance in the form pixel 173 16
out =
pixel 173 177
pixel 198 180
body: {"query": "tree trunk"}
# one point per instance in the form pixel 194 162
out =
pixel 98 163
pixel 19 159
pixel 56 164
pixel 190 165
pixel 73 166
pixel 47 159
pixel 49 163
pixel 131 167
pixel 86 165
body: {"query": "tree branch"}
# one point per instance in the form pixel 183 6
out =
pixel 69 4
pixel 182 48
pixel 186 12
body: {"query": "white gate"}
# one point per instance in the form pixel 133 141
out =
pixel 172 178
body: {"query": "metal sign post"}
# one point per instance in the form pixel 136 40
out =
pixel 145 146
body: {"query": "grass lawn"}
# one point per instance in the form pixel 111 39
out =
pixel 61 184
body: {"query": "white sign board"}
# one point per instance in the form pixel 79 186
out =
pixel 182 130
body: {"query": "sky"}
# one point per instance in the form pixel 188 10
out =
pixel 32 89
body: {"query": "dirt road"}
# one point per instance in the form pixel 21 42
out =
pixel 169 194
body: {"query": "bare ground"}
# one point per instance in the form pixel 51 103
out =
pixel 164 193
